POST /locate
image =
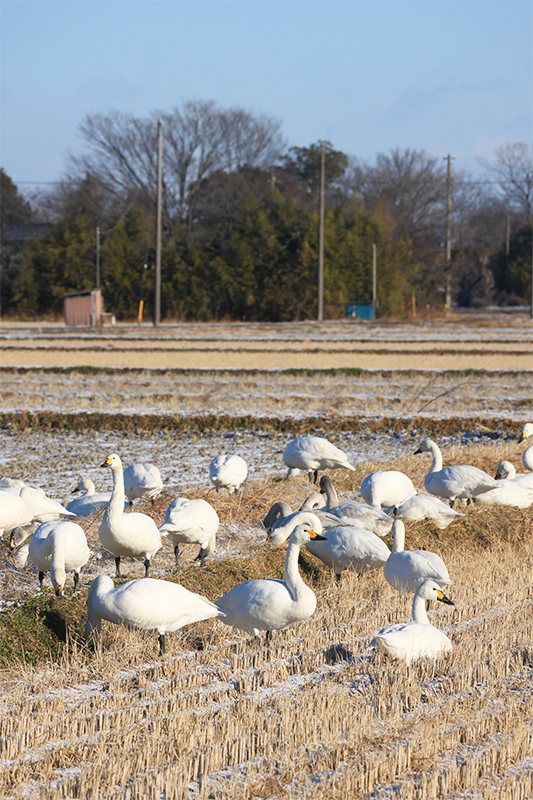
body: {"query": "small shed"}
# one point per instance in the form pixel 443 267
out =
pixel 84 309
pixel 360 309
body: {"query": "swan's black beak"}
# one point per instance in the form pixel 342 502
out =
pixel 417 452
pixel 316 536
pixel 443 599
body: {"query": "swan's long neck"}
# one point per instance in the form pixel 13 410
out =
pixel 398 537
pixel 89 488
pixel 437 458
pixel 116 504
pixel 277 512
pixel 292 574
pixel 331 494
pixel 57 561
pixel 419 610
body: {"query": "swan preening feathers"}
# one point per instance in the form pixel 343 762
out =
pixel 189 522
pixel 59 547
pixel 228 472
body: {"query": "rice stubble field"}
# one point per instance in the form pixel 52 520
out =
pixel 313 714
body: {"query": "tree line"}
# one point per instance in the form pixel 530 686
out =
pixel 240 223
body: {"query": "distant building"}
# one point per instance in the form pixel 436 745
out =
pixel 85 309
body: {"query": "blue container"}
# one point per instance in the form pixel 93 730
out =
pixel 360 310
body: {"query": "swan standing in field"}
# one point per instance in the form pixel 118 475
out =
pixel 387 488
pixel 341 547
pixel 527 455
pixel 351 513
pixel 507 471
pixel 132 535
pixel 405 570
pixel 59 547
pixel 269 605
pixel 142 481
pixel 228 472
pixel 311 454
pixel 458 481
pixel 427 507
pixel 408 641
pixel 145 603
pixel 90 502
pixel 191 522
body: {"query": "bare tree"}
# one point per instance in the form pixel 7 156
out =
pixel 513 170
pixel 199 139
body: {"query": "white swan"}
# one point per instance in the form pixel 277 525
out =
pixel 145 603
pixel 351 513
pixel 408 641
pixel 281 521
pixel 44 508
pixel 426 506
pixel 90 502
pixel 11 483
pixel 142 481
pixel 314 501
pixel 405 570
pixel 269 605
pixel 14 511
pixel 507 493
pixel 341 547
pixel 387 488
pixel 458 481
pixel 527 455
pixel 507 471
pixel 191 522
pixel 311 454
pixel 228 472
pixel 59 547
pixel 133 535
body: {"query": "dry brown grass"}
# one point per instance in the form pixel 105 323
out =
pixel 225 717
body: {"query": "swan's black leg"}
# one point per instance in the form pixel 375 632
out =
pixel 117 566
pixel 146 567
pixel 161 644
pixel 76 580
pixel 201 557
pixel 268 637
pixel 176 553
pixel 41 579
pixel 337 577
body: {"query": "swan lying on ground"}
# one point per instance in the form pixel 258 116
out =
pixel 408 641
pixel 311 454
pixel 527 455
pixel 191 522
pixel 142 481
pixel 507 471
pixel 351 513
pixel 269 605
pixel 145 603
pixel 459 481
pixel 132 535
pixel 91 501
pixel 341 547
pixel 427 507
pixel 507 493
pixel 59 547
pixel 387 488
pixel 228 472
pixel 405 570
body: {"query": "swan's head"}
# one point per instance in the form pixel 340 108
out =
pixel 281 532
pixel 112 461
pixel 526 432
pixel 430 590
pixel 505 470
pixel 19 535
pixel 325 483
pixel 85 485
pixel 425 446
pixel 302 534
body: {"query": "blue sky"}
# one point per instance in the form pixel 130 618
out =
pixel 446 76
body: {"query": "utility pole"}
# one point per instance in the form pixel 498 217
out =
pixel 157 300
pixel 448 233
pixel 374 280
pixel 97 257
pixel 320 303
